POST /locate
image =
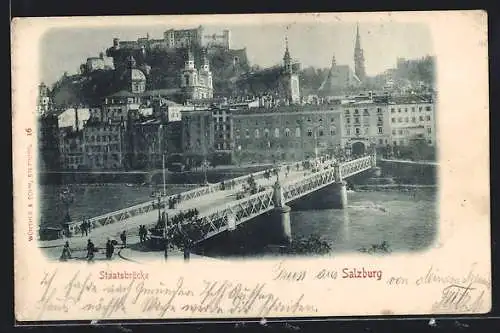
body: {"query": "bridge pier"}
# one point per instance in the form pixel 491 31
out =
pixel 342 193
pixel 283 216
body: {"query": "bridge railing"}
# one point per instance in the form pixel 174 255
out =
pixel 308 184
pixel 353 167
pixel 241 210
pixel 146 207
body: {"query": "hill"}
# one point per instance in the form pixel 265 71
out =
pixel 164 73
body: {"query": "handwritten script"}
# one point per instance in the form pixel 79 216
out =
pixel 159 299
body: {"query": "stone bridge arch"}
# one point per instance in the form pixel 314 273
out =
pixel 358 148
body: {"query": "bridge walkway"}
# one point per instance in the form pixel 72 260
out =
pixel 203 204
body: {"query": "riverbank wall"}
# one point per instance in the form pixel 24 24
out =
pixel 149 177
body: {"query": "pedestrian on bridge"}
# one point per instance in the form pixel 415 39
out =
pixel 83 227
pixel 110 249
pixel 123 237
pixel 91 249
pixel 66 253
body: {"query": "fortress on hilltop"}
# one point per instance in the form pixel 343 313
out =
pixel 174 39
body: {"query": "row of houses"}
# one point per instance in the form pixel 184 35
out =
pixel 252 132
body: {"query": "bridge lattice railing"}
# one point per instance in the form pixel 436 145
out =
pixel 241 210
pixel 353 167
pixel 308 184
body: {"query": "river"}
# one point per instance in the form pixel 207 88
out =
pixel 407 221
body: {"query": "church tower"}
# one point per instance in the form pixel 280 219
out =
pixel 206 77
pixel 359 58
pixel 291 77
pixel 189 75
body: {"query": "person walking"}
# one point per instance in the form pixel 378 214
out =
pixel 66 253
pixel 123 237
pixel 90 250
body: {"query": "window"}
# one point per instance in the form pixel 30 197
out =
pixel 348 120
pixel 257 134
pixel 427 108
pixel 379 110
pixel 413 109
pixel 380 141
pixel 400 119
pixel 393 120
pixel 256 123
pixel 399 109
pixel 429 130
pixel 392 110
pixel 276 132
pixel 332 131
pixel 406 119
pixel 347 113
pixel 406 109
pixel 309 132
pixel 380 119
pixel 247 134
pixel 348 131
pixel 400 132
pixel 413 119
pixel 320 120
pixel 429 142
pixel 297 132
pixel 356 111
pixel 428 118
pixel 395 143
pixel 380 130
pixel 419 108
pixel 287 132
pixel 266 133
pixel 309 119
pixel 356 120
pixel 366 130
pixel 357 130
pixel 320 132
pixel 421 118
pixel 366 113
pixel 332 120
pixel 393 132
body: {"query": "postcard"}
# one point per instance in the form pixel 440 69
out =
pixel 251 166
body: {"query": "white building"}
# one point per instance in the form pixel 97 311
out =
pixel 76 118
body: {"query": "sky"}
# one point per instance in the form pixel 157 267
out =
pixel 312 44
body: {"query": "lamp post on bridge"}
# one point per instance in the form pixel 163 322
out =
pixel 67 198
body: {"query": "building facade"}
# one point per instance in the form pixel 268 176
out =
pixel 263 135
pixel 48 143
pixel 411 119
pixel 197 135
pixel 103 145
pixel 366 126
pixel 71 145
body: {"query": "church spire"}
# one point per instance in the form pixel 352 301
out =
pixel 287 59
pixel 359 59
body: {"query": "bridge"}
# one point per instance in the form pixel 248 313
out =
pixel 221 207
